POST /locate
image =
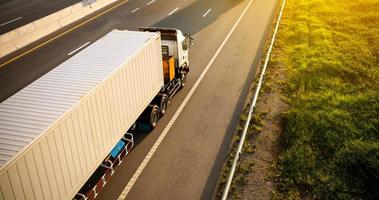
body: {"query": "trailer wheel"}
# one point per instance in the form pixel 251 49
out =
pixel 153 116
pixel 163 101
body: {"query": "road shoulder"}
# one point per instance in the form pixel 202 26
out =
pixel 255 173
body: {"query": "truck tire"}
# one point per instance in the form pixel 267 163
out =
pixel 162 102
pixel 149 118
pixel 153 111
pixel 183 80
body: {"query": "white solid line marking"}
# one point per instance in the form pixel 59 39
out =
pixel 10 21
pixel 146 160
pixel 81 47
pixel 206 13
pixel 135 10
pixel 150 2
pixel 172 12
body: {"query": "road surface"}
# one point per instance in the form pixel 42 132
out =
pixel 187 163
pixel 16 13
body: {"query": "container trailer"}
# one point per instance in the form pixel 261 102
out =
pixel 62 136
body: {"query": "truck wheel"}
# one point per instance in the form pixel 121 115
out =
pixel 183 80
pixel 154 116
pixel 149 118
pixel 163 101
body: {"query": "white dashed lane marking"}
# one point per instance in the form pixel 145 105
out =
pixel 206 13
pixel 172 12
pixel 135 10
pixel 10 21
pixel 150 2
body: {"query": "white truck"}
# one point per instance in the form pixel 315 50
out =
pixel 62 136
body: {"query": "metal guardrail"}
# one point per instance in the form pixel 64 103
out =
pixel 240 145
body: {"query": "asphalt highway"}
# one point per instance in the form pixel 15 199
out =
pixel 16 13
pixel 187 163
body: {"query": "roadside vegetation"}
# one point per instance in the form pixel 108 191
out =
pixel 322 141
pixel 330 137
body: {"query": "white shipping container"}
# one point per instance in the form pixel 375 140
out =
pixel 56 131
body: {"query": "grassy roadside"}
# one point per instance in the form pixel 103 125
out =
pixel 331 130
pixel 328 51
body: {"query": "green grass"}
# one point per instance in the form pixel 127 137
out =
pixel 331 130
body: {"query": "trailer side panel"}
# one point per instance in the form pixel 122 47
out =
pixel 55 132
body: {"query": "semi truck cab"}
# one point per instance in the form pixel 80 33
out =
pixel 182 45
pixel 175 45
